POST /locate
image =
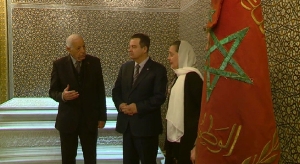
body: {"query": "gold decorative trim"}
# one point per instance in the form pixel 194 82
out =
pixel 213 143
pixel 252 8
pixel 3 53
pixel 269 153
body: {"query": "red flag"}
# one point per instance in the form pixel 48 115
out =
pixel 237 123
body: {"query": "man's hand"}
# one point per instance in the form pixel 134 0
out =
pixel 69 95
pixel 193 155
pixel 101 124
pixel 130 109
pixel 121 106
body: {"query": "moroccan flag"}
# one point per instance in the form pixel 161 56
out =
pixel 237 123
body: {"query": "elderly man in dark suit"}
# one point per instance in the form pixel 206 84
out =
pixel 139 92
pixel 77 84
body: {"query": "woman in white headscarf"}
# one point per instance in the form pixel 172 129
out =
pixel 184 103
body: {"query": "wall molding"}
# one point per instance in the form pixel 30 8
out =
pixel 192 2
pixel 91 7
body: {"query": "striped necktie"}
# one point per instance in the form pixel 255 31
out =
pixel 77 66
pixel 136 73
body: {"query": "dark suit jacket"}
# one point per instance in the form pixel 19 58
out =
pixel 148 93
pixel 90 107
pixel 192 107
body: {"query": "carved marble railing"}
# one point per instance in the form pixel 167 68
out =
pixel 27 133
pixel 30 122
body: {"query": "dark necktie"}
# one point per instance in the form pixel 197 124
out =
pixel 136 73
pixel 77 66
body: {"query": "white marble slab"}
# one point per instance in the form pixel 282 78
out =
pixel 40 103
pixel 106 154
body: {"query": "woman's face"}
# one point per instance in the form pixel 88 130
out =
pixel 173 57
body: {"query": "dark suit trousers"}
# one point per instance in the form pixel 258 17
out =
pixel 137 149
pixel 69 144
pixel 175 156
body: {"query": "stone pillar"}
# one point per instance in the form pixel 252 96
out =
pixel 3 53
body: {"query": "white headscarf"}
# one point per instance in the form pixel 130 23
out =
pixel 175 114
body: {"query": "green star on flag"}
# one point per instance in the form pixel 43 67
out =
pixel 240 75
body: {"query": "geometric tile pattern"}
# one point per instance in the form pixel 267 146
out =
pixel 283 46
pixel 186 3
pixel 39 38
pixel 191 22
pixel 3 53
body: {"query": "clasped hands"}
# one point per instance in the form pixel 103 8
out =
pixel 128 109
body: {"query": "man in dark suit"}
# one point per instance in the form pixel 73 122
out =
pixel 77 84
pixel 138 95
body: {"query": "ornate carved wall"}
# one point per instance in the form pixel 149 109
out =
pixel 3 53
pixel 193 16
pixel 283 44
pixel 39 29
